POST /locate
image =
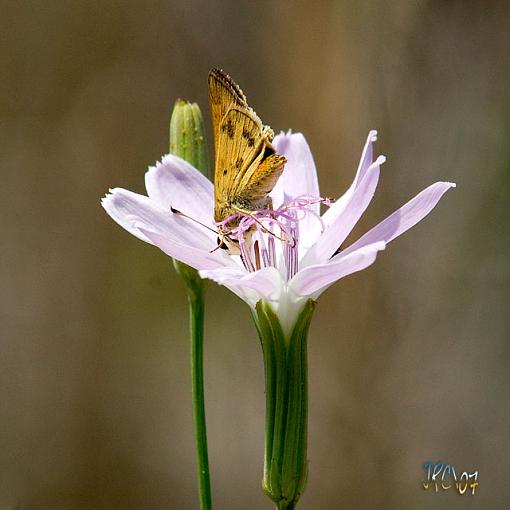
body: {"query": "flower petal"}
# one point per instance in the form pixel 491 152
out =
pixel 173 182
pixel 299 177
pixel 367 156
pixel 343 221
pixel 113 204
pixel 313 280
pixel 365 162
pixel 198 258
pixel 315 230
pixel 133 212
pixel 263 284
pixel 404 218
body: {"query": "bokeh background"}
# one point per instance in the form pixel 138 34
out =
pixel 408 359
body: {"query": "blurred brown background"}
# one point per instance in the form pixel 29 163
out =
pixel 408 360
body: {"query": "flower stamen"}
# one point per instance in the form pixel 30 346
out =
pixel 285 220
pixel 257 254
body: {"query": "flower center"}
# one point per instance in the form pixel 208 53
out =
pixel 270 238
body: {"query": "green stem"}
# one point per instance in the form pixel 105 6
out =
pixel 283 505
pixel 196 306
pixel 187 140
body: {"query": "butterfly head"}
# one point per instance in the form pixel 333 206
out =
pixel 227 243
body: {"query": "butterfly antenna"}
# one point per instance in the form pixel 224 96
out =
pixel 180 213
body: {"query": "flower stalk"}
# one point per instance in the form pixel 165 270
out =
pixel 285 367
pixel 188 142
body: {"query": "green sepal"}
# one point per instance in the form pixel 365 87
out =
pixel 285 367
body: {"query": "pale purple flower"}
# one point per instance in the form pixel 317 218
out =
pixel 300 258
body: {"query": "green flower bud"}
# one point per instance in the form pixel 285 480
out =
pixel 187 140
pixel 187 135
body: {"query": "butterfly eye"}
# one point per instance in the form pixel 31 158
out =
pixel 221 244
pixel 268 151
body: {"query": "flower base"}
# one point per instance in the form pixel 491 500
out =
pixel 285 366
